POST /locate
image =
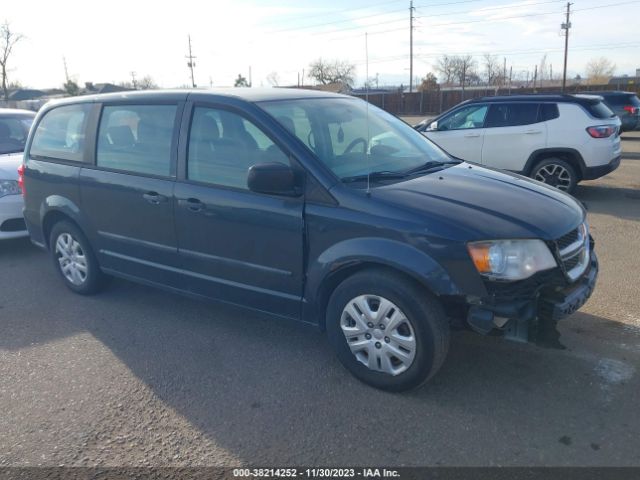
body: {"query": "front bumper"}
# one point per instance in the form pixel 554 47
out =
pixel 11 220
pixel 517 310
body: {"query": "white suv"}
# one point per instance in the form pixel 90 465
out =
pixel 556 139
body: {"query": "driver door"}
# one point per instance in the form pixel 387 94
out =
pixel 236 245
pixel 461 132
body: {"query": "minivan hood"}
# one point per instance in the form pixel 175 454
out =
pixel 9 164
pixel 482 204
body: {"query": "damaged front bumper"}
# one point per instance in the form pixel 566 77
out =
pixel 528 311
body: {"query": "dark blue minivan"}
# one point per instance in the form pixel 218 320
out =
pixel 305 205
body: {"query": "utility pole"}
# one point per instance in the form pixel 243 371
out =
pixel 191 63
pixel 133 80
pixel 504 71
pixel 66 71
pixel 535 77
pixel 411 9
pixel 249 76
pixel 566 26
pixel 510 77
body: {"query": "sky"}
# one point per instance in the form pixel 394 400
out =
pixel 106 41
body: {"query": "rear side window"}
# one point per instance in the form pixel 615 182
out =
pixel 600 110
pixel 512 114
pixel 136 138
pixel 60 133
pixel 548 111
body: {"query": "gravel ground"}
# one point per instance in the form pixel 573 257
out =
pixel 136 376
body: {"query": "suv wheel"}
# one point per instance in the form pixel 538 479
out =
pixel 556 173
pixel 74 259
pixel 386 330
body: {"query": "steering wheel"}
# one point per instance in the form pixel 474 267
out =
pixel 356 142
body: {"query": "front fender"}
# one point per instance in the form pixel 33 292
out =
pixel 371 251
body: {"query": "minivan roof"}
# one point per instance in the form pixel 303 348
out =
pixel 247 94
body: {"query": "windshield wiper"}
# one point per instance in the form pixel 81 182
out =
pixel 431 165
pixel 379 175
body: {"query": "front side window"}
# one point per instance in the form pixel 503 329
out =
pixel 60 133
pixel 471 116
pixel 136 138
pixel 224 145
pixel 353 140
pixel 13 133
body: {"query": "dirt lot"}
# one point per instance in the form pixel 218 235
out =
pixel 135 376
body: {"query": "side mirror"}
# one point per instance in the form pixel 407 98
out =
pixel 273 178
pixel 433 126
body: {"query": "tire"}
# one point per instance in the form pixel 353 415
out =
pixel 69 245
pixel 556 173
pixel 421 319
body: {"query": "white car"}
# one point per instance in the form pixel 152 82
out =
pixel 14 128
pixel 556 139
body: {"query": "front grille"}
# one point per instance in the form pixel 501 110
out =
pixel 13 225
pixel 573 252
pixel 566 240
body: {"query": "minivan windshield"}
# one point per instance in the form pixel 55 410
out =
pixel 354 142
pixel 13 133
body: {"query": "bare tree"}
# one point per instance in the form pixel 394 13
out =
pixel 8 40
pixel 492 72
pixel 599 70
pixel 337 71
pixel 146 83
pixel 445 65
pixel 274 79
pixel 464 69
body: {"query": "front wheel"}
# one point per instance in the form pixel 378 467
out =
pixel 386 330
pixel 556 173
pixel 73 258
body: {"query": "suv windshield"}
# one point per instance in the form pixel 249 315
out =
pixel 353 142
pixel 13 133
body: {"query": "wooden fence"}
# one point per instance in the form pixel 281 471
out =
pixel 437 101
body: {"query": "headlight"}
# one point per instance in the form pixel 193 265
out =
pixel 510 259
pixel 9 187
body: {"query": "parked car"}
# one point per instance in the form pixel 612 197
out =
pixel 14 128
pixel 625 105
pixel 275 200
pixel 556 139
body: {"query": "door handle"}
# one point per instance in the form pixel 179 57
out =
pixel 533 132
pixel 194 204
pixel 471 135
pixel 154 198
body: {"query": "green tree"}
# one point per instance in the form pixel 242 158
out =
pixel 241 82
pixel 71 88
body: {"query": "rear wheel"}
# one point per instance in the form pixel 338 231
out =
pixel 556 173
pixel 73 258
pixel 386 330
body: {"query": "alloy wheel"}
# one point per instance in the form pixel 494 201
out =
pixel 72 259
pixel 555 175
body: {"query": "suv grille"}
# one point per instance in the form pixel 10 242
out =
pixel 573 251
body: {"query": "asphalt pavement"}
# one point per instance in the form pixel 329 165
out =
pixel 135 376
